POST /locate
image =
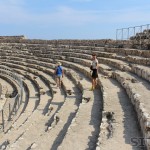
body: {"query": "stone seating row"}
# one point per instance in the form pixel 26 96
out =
pixel 26 114
pixel 141 88
pixel 13 104
pixel 138 60
pixel 82 69
pixel 81 107
pixel 139 100
pixel 12 84
pixel 38 112
pixel 103 59
pixel 71 64
pixel 129 58
pixel 144 104
pixel 143 53
pixel 145 73
pixel 62 117
pixel 32 93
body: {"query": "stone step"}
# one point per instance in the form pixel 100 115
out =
pixel 121 126
pixel 133 52
pixel 119 117
pixel 34 115
pixel 30 134
pixel 38 122
pixel 19 107
pixel 31 89
pixel 142 86
pixel 64 115
pixel 81 60
pixel 84 85
pixel 144 72
pixel 139 88
pixel 110 66
pixel 139 95
pixel 7 86
pixel 88 53
pixel 70 63
pixel 86 89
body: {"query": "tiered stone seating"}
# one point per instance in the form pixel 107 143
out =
pixel 63 116
pixel 139 87
pixel 27 107
pixel 15 98
pixel 36 126
pixel 123 66
pixel 19 72
pixel 79 117
pixel 64 121
pixel 84 69
pixel 5 94
pixel 36 116
pixel 79 60
pixel 13 88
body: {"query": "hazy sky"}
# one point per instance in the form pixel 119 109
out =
pixel 71 19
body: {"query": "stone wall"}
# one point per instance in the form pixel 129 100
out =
pixel 93 43
pixel 135 43
pixel 142 113
pixel 127 51
pixel 12 37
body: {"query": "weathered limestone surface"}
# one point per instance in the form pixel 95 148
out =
pixel 35 60
pixel 142 112
pixel 125 51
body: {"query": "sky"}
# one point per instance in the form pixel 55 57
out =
pixel 71 19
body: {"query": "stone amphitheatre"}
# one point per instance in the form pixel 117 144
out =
pixel 35 114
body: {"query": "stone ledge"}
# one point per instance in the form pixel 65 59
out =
pixel 142 114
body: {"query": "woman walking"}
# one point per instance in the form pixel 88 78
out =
pixel 94 69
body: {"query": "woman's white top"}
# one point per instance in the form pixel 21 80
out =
pixel 94 63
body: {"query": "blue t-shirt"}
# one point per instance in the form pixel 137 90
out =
pixel 59 70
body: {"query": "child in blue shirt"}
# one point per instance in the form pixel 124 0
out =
pixel 59 72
